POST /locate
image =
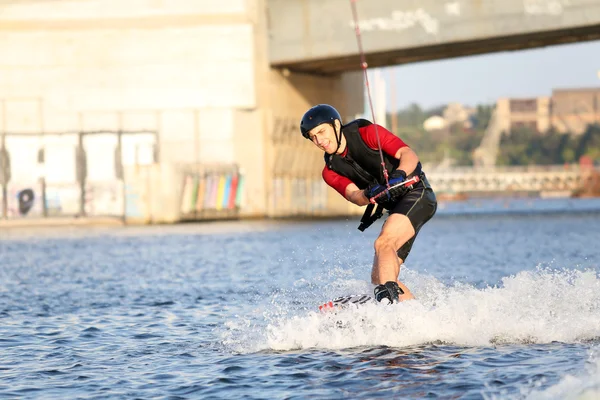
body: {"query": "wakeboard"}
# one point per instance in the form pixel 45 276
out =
pixel 353 300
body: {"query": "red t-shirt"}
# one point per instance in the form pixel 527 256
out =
pixel 390 144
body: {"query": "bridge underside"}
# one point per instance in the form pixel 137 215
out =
pixel 335 65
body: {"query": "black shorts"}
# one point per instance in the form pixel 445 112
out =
pixel 419 205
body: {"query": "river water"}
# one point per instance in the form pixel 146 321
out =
pixel 508 307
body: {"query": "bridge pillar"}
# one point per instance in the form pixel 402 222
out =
pixel 287 96
pixel 292 165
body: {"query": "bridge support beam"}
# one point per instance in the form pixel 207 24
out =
pixel 294 163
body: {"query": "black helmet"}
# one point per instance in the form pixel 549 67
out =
pixel 317 115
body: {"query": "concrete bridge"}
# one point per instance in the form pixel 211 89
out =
pixel 318 36
pixel 552 179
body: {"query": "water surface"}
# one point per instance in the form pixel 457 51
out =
pixel 508 306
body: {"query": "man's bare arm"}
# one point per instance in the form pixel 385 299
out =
pixel 408 159
pixel 356 195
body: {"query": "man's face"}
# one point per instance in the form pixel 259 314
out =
pixel 323 136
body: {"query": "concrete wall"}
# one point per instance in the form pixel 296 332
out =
pixel 184 69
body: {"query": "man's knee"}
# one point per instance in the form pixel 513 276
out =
pixel 397 232
pixel 384 242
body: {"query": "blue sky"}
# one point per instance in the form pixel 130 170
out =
pixel 483 78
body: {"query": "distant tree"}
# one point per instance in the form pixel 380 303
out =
pixel 412 116
pixel 482 116
pixel 524 146
pixel 588 141
pixel 513 147
pixel 568 155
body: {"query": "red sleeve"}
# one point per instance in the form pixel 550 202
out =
pixel 390 143
pixel 336 181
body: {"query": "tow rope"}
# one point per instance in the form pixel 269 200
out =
pixel 364 66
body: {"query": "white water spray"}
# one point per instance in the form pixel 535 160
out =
pixel 531 307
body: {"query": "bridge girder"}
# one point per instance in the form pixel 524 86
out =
pixel 318 36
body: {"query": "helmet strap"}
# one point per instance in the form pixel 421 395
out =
pixel 338 137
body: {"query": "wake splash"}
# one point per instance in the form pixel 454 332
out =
pixel 539 306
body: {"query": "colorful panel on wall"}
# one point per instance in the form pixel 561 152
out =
pixel 215 190
pixel 187 197
pixel 240 193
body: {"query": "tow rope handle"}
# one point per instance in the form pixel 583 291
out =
pixel 407 183
pixel 369 217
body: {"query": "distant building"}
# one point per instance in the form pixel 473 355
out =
pixel 434 123
pixel 572 110
pixel 458 113
pixel 567 111
pixel 532 113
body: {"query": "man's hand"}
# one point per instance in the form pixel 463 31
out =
pixel 396 177
pixel 380 194
pixel 377 193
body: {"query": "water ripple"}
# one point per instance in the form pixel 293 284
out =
pixel 179 312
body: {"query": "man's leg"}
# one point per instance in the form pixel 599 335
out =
pixel 396 239
pixel 396 231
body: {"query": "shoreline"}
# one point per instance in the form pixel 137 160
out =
pixel 473 207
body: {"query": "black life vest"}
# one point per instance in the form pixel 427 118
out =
pixel 361 164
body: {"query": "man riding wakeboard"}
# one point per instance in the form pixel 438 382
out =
pixel 353 167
